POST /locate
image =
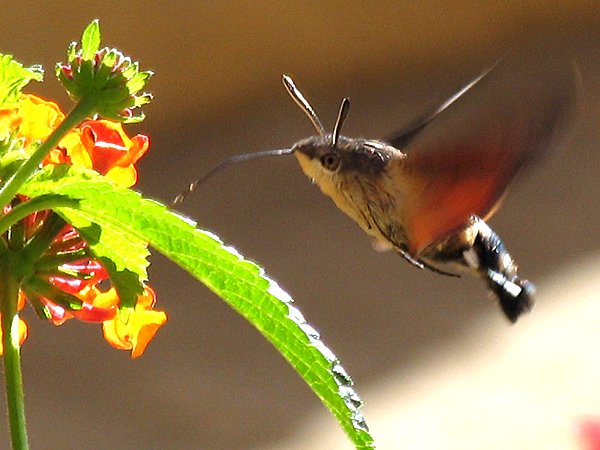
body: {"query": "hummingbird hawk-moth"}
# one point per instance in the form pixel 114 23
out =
pixel 427 191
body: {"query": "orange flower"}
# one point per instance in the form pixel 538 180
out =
pixel 100 145
pixel 96 306
pixel 22 325
pixel 71 288
pixel 103 146
pixel 72 292
pixel 135 331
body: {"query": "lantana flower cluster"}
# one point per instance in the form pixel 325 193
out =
pixel 68 281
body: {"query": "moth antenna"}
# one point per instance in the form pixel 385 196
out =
pixel 341 118
pixel 303 104
pixel 226 163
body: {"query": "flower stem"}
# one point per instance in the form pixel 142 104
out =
pixel 48 201
pixel 82 110
pixel 9 294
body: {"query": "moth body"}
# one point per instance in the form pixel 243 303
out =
pixel 427 191
pixel 368 180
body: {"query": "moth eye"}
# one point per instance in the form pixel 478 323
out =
pixel 330 161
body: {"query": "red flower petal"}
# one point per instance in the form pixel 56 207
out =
pixel 589 430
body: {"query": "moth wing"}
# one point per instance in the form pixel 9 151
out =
pixel 403 137
pixel 474 148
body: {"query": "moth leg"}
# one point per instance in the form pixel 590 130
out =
pixel 391 242
pixel 422 264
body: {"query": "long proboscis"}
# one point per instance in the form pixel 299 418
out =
pixel 226 163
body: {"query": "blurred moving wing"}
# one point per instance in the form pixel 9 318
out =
pixel 475 147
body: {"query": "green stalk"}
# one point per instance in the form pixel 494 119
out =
pixel 9 271
pixel 43 202
pixel 9 295
pixel 82 110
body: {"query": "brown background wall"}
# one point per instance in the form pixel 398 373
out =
pixel 209 380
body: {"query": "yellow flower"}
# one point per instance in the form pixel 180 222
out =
pixel 135 331
pixel 39 118
pixel 9 121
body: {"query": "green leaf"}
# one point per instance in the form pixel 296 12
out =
pixel 14 77
pixel 139 81
pixel 124 255
pixel 241 283
pixel 71 51
pixel 90 40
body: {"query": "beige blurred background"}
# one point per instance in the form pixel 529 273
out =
pixel 434 360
